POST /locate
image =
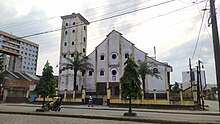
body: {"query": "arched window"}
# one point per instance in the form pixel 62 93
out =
pixel 66 24
pixel 65 32
pixel 101 73
pixel 74 23
pixel 102 57
pixel 126 55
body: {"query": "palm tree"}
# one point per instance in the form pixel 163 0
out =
pixel 147 68
pixel 78 63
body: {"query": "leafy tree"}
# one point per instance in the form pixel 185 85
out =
pixel 1 67
pixel 78 63
pixel 46 84
pixel 130 83
pixel 176 88
pixel 147 68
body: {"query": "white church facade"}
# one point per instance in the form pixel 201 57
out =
pixel 107 59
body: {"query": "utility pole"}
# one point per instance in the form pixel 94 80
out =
pixel 216 46
pixel 201 90
pixel 191 79
pixel 198 88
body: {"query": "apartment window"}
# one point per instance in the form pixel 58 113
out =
pixel 29 54
pixel 21 52
pixel 29 49
pixel 101 73
pixel 126 55
pixel 27 67
pixel 90 73
pixel 114 56
pixel 71 68
pixel 72 43
pixel 25 53
pixel 65 44
pixel 102 57
pixel 73 31
pixel 23 66
pixel 74 23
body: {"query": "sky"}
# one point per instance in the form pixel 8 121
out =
pixel 172 26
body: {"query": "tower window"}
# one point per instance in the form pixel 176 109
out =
pixel 90 73
pixel 101 73
pixel 73 31
pixel 74 23
pixel 84 27
pixel 66 24
pixel 126 55
pixel 64 56
pixel 72 43
pixel 102 57
pixel 65 44
pixel 71 55
pixel 65 32
pixel 84 50
pixel 84 39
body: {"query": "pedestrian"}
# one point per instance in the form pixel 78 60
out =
pixel 90 101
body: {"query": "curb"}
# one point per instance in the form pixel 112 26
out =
pixel 128 119
pixel 135 110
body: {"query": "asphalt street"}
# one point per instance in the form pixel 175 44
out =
pixel 101 113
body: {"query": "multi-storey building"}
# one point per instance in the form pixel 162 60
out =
pixel 19 54
pixel 73 38
pixel 108 61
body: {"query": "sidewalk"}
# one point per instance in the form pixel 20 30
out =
pixel 100 107
pixel 115 113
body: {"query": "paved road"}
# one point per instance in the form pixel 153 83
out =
pixel 166 115
pixel 33 119
pixel 213 105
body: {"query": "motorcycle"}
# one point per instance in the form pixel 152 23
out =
pixel 54 105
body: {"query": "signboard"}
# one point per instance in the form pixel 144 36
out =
pixel 113 78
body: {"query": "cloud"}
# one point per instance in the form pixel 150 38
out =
pixel 178 58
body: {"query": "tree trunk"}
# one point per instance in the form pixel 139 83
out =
pixel 143 81
pixel 130 111
pixel 43 101
pixel 75 74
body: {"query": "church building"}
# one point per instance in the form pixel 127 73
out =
pixel 107 59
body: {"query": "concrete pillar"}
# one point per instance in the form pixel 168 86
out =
pixel 74 94
pixel 155 95
pixel 168 96
pixel 27 94
pixel 181 96
pixel 142 95
pixel 83 95
pixel 65 92
pixel 108 96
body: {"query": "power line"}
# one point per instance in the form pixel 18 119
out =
pixel 98 20
pixel 199 32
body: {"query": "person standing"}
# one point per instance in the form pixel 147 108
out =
pixel 90 101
